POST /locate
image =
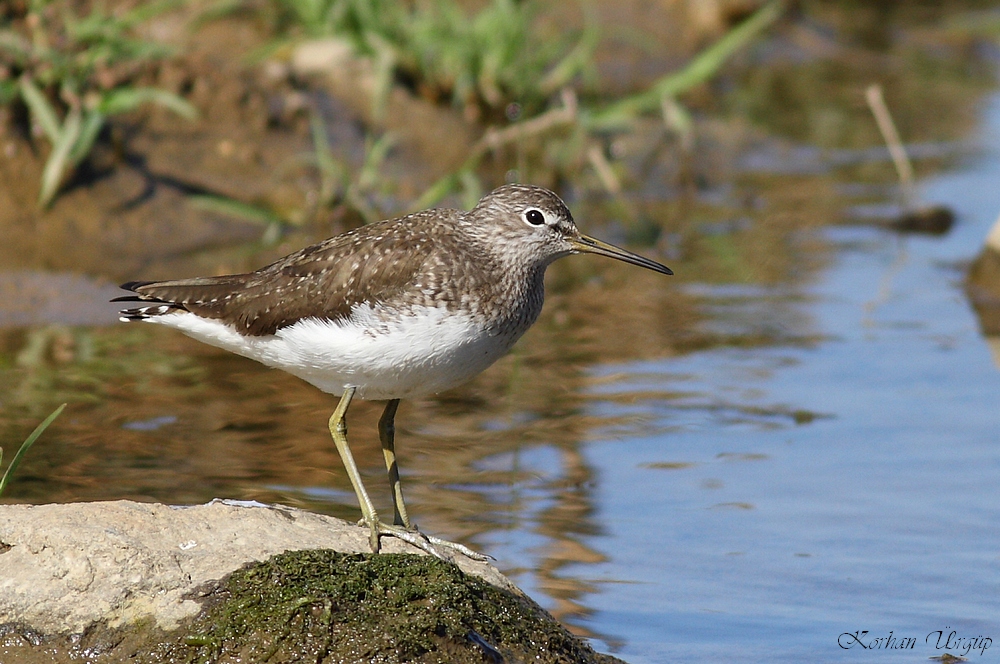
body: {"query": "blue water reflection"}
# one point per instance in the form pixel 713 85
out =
pixel 735 533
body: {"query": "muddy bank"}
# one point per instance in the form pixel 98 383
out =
pixel 145 582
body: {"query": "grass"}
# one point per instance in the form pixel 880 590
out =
pixel 588 123
pixel 483 61
pixel 28 442
pixel 498 65
pixel 503 65
pixel 338 185
pixel 701 68
pixel 72 73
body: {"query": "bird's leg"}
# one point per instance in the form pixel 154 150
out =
pixel 386 435
pixel 338 429
pixel 401 527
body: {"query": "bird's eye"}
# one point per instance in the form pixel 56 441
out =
pixel 534 217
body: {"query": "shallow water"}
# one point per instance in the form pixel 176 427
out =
pixel 735 533
pixel 793 439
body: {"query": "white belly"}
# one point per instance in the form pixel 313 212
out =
pixel 384 359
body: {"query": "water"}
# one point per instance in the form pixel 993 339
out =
pixel 741 535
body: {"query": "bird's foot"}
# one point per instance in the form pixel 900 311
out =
pixel 427 543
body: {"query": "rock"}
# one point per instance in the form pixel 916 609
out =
pixel 982 286
pixel 65 567
pixel 117 581
pixel 993 237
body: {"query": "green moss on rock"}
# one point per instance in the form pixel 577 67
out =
pixel 323 606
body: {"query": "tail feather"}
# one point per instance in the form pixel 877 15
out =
pixel 129 298
pixel 142 313
pixel 134 285
pixel 165 297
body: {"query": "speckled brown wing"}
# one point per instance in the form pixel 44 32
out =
pixel 371 264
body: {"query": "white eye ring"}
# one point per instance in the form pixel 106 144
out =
pixel 534 217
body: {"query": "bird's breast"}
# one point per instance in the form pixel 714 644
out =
pixel 388 355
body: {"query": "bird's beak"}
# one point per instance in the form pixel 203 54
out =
pixel 588 245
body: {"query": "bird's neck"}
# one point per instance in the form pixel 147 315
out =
pixel 522 293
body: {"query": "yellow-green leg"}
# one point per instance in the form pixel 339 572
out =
pixel 338 429
pixel 401 521
pixel 401 527
pixel 387 435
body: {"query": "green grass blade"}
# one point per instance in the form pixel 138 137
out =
pixel 577 62
pixel 332 173
pixel 699 70
pixel 146 11
pixel 385 67
pixel 711 59
pixel 376 152
pixel 91 127
pixel 445 185
pixel 41 109
pixel 472 188
pixel 59 161
pixel 128 99
pixel 325 161
pixel 277 48
pixel 238 209
pixel 219 9
pixel 28 442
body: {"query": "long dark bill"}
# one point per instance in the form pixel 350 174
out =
pixel 588 245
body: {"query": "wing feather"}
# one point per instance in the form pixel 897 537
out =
pixel 372 264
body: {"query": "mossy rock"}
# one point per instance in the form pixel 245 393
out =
pixel 323 606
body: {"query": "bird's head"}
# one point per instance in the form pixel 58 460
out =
pixel 538 223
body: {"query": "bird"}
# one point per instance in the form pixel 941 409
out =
pixel 396 309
